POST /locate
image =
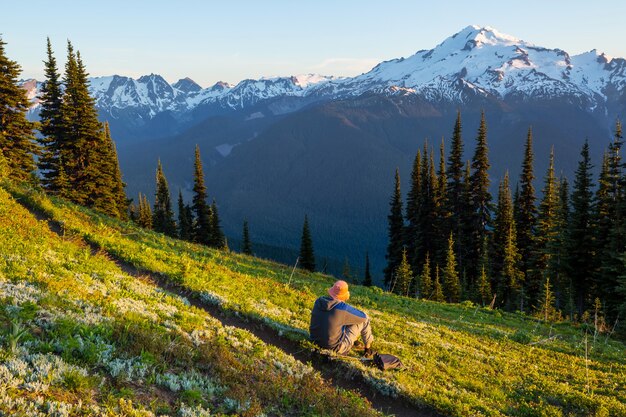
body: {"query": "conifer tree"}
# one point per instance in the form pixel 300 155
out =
pixel 307 255
pixel 527 220
pixel 546 241
pixel 502 223
pixel 117 185
pixel 413 231
pixel 484 288
pixel 442 213
pixel 480 201
pixel 144 218
pixel 246 246
pixel 451 280
pixel 580 236
pixel 17 140
pixel 202 210
pixel 218 240
pixel 185 219
pixel 546 309
pixel 162 215
pixel 467 218
pixel 367 278
pixel 51 122
pixel 395 233
pixel 557 265
pixel 455 187
pixel 425 285
pixel 511 277
pixel 438 290
pixel 403 276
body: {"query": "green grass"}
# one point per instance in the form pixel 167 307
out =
pixel 96 341
pixel 461 359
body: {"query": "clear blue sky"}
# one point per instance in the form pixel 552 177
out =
pixel 233 40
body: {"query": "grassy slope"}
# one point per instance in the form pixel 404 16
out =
pixel 95 341
pixel 461 359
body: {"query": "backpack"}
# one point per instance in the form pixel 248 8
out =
pixel 385 362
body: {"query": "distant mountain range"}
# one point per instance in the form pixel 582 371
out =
pixel 276 148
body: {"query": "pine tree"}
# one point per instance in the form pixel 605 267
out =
pixel 246 246
pixel 185 219
pixel 218 240
pixel 467 218
pixel 162 215
pixel 456 187
pixel 438 290
pixel 51 122
pixel 367 278
pixel 547 238
pixel 484 288
pixel 442 213
pixel 396 232
pixel 413 231
pixel 307 255
pixel 527 220
pixel 121 200
pixel 546 309
pixel 511 277
pixel 144 218
pixel 480 202
pixel 425 285
pixel 580 236
pixel 451 275
pixel 611 265
pixel 203 227
pixel 557 265
pixel 403 276
pixel 17 140
pixel 502 223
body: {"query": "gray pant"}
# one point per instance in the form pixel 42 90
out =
pixel 351 334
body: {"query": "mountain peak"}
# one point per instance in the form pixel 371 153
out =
pixel 477 36
pixel 187 85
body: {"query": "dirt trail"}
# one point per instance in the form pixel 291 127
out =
pixel 333 371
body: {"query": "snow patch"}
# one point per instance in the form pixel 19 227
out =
pixel 225 149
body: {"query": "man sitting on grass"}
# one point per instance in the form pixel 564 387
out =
pixel 336 325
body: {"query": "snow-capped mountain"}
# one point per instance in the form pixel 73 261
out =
pixel 475 62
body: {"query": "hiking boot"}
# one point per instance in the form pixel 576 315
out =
pixel 368 353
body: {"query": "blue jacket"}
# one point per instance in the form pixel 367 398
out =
pixel 328 318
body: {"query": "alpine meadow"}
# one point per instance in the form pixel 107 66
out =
pixel 440 235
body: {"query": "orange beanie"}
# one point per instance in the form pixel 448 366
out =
pixel 339 291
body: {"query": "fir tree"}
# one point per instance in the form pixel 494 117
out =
pixel 557 265
pixel 185 219
pixel 511 277
pixel 580 236
pixel 144 218
pixel 480 201
pixel 546 309
pixel 611 265
pixel 455 187
pixel 526 221
pixel 203 227
pixel 403 276
pixel 451 275
pixel 502 223
pixel 413 230
pixel 438 290
pixel 425 286
pixel 51 122
pixel 246 246
pixel 307 255
pixel 546 241
pixel 367 278
pixel 467 217
pixel 121 200
pixel 484 288
pixel 17 140
pixel 396 232
pixel 442 213
pixel 218 240
pixel 162 215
